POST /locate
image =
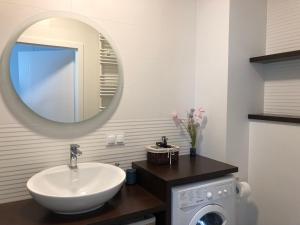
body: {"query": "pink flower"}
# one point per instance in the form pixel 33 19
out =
pixel 198 115
pixel 176 118
pixel 191 124
pixel 199 112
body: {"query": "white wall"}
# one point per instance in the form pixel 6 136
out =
pixel 282 79
pixel 282 85
pixel 283 28
pixel 227 85
pixel 156 41
pixel 274 172
pixel 245 83
pixel 211 80
pixel 274 147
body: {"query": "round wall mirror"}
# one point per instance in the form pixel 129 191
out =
pixel 61 75
pixel 64 70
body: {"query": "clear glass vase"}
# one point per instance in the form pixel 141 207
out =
pixel 193 152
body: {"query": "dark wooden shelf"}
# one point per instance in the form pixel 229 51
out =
pixel 285 56
pixel 187 170
pixel 130 202
pixel 276 118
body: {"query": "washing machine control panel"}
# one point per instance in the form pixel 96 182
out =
pixel 195 196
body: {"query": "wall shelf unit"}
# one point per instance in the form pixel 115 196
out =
pixel 273 58
pixel 275 118
pixel 279 57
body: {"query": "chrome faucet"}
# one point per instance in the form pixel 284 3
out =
pixel 74 153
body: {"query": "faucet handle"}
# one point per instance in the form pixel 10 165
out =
pixel 74 149
pixel 78 153
pixel 74 146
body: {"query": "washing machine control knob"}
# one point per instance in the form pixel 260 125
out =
pixel 209 195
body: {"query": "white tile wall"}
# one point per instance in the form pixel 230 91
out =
pixel 274 147
pixel 156 42
pixel 24 153
pixel 282 88
pixel 283 26
pixel 273 174
pixel 282 80
pixel 45 4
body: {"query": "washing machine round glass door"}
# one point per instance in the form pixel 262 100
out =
pixel 210 215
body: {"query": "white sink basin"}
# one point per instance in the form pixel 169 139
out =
pixel 67 191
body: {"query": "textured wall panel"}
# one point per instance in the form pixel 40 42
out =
pixel 283 26
pixel 24 153
pixel 282 82
pixel 282 88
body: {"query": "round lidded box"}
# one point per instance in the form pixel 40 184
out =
pixel 161 156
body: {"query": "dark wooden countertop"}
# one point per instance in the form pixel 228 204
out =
pixel 132 201
pixel 187 170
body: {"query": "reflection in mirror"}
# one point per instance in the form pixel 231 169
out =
pixel 64 70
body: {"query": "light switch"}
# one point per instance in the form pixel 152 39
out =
pixel 120 139
pixel 110 139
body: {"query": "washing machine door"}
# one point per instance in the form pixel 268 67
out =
pixel 210 215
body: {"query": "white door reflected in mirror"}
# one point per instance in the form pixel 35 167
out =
pixel 64 70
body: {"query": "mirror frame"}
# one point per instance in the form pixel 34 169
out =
pixel 32 120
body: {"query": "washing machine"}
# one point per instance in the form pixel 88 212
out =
pixel 205 203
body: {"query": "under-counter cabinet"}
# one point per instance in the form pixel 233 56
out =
pixel 160 179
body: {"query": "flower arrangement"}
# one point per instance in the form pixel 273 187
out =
pixel 191 124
